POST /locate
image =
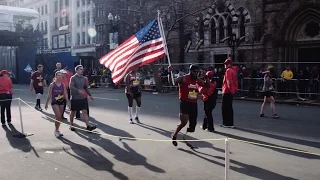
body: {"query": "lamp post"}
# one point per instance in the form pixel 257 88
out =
pixel 233 43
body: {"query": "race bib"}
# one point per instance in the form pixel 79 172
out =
pixel 60 97
pixel 136 82
pixel 40 84
pixel 193 95
pixel 271 88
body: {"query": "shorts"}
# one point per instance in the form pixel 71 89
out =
pixel 135 95
pixel 190 109
pixel 79 104
pixel 59 103
pixel 38 90
pixel 267 94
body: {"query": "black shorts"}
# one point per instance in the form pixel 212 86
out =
pixel 59 103
pixel 135 95
pixel 190 109
pixel 39 90
pixel 79 104
pixel 267 94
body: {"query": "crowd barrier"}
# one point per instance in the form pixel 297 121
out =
pixel 120 138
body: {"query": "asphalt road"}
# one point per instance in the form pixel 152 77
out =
pixel 81 155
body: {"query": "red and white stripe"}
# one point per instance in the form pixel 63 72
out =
pixel 130 55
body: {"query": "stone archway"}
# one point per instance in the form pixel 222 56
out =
pixel 301 35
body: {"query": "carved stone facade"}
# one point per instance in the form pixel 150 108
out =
pixel 274 31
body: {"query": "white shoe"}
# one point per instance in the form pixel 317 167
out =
pixel 131 121
pixel 58 134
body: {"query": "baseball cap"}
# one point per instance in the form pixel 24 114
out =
pixel 63 71
pixel 227 62
pixel 4 72
pixel 209 74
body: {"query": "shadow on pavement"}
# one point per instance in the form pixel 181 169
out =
pixel 126 155
pixel 93 158
pixel 282 138
pixel 167 134
pixel 270 144
pixel 22 144
pixel 246 169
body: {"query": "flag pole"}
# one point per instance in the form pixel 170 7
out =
pixel 165 44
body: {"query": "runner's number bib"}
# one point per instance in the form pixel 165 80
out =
pixel 193 95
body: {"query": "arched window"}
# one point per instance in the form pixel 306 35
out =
pixel 221 29
pixel 242 28
pixel 213 32
pixel 229 27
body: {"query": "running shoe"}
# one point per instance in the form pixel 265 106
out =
pixel 224 126
pixel 137 120
pixel 275 116
pixel 72 129
pixel 58 134
pixel 174 138
pixel 262 115
pixel 91 128
pixel 131 121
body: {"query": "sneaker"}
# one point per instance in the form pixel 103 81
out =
pixel 203 127
pixel 210 129
pixel 72 129
pixel 91 128
pixel 224 126
pixel 58 134
pixel 275 116
pixel 262 115
pixel 137 120
pixel 174 142
pixel 40 109
pixel 131 121
pixel 37 108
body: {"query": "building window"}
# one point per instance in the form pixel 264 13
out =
pixel 42 27
pixel 56 23
pixel 78 19
pixel 56 6
pixel 67 20
pixel 221 29
pixel 88 40
pixel 67 2
pixel 78 38
pixel 213 32
pixel 61 22
pixel 78 3
pixel 46 9
pixel 242 27
pixel 42 10
pixel 83 38
pixel 61 4
pixel 39 10
pixel 83 18
pixel 83 2
pixel 45 43
pixel 46 27
pixel 88 17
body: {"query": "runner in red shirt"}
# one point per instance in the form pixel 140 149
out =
pixel 5 96
pixel 209 97
pixel 188 95
pixel 37 82
pixel 229 88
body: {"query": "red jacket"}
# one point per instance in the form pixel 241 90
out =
pixel 230 81
pixel 207 92
pixel 5 85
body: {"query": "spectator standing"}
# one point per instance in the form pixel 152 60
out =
pixel 5 96
pixel 229 88
pixel 287 76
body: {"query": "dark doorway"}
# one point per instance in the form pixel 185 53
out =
pixel 219 59
pixel 308 55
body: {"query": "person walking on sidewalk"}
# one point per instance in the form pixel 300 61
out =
pixel 229 88
pixel 268 95
pixel 5 96
pixel 79 93
pixel 209 97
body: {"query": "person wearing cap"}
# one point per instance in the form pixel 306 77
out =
pixel 268 95
pixel 209 97
pixel 36 84
pixel 188 95
pixel 229 88
pixel 5 97
pixel 58 66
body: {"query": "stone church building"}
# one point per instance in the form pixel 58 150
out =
pixel 258 30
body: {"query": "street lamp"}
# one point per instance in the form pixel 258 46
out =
pixel 233 43
pixel 113 29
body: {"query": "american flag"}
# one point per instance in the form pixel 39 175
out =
pixel 145 47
